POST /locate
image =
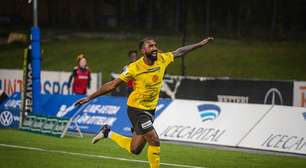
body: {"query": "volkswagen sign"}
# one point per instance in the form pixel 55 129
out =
pixel 6 118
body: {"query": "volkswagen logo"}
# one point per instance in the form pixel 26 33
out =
pixel 6 118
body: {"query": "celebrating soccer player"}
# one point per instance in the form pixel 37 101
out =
pixel 147 73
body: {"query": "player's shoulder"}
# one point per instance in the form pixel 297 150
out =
pixel 128 68
pixel 164 56
pixel 136 65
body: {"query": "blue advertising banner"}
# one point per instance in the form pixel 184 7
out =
pixel 90 117
pixel 9 112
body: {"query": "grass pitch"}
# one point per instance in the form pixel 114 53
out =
pixel 29 150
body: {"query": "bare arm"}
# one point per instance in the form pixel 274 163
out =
pixel 186 49
pixel 104 89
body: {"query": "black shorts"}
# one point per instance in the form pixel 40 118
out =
pixel 142 120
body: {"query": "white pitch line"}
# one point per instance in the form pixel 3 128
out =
pixel 94 156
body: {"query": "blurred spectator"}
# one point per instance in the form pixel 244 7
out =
pixel 81 76
pixel 17 37
pixel 3 96
pixel 133 56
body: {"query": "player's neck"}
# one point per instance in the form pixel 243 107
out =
pixel 148 61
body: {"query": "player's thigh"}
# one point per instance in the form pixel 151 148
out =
pixel 138 143
pixel 137 140
pixel 152 138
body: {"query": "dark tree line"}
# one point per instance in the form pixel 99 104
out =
pixel 278 19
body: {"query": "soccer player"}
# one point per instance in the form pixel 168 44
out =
pixel 147 72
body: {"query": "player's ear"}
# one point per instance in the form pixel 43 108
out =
pixel 142 50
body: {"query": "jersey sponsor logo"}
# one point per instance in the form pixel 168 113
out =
pixel 153 69
pixel 83 77
pixel 146 124
pixel 209 111
pixel 155 78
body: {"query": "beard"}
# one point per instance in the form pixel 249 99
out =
pixel 152 55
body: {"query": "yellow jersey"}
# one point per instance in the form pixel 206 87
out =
pixel 148 80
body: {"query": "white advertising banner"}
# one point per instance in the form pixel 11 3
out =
pixel 208 122
pixel 10 81
pixel 52 82
pixel 283 129
pixel 57 82
pixel 299 94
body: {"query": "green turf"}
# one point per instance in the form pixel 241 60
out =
pixel 170 153
pixel 236 59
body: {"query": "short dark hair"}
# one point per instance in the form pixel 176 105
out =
pixel 132 51
pixel 141 43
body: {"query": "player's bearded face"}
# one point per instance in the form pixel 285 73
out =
pixel 151 50
pixel 152 55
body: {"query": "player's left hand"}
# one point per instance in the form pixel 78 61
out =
pixel 206 40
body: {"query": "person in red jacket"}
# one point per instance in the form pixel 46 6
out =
pixel 80 76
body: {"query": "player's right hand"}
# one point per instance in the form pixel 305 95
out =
pixel 82 101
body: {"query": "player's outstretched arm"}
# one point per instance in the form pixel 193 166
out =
pixel 104 89
pixel 186 49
